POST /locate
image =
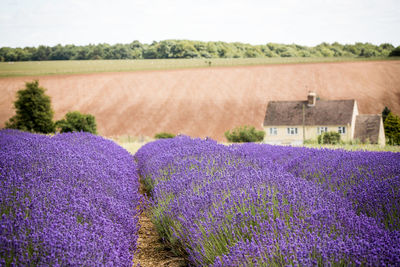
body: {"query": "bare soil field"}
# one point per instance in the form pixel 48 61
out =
pixel 207 101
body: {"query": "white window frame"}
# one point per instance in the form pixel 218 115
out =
pixel 292 131
pixel 342 129
pixel 273 131
pixel 322 129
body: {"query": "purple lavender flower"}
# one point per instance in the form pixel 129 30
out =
pixel 264 205
pixel 70 199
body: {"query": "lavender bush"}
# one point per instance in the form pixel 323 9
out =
pixel 246 206
pixel 71 199
pixel 370 180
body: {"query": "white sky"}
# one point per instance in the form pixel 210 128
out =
pixel 307 22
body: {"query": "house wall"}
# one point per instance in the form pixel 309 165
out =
pixel 353 119
pixel 282 138
pixel 381 136
pixel 310 132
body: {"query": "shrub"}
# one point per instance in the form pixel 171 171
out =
pixel 33 110
pixel 332 138
pixel 76 122
pixel 244 134
pixel 392 129
pixel 164 135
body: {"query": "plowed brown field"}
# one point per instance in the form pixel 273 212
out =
pixel 208 101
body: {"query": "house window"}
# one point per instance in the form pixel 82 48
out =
pixel 342 129
pixel 291 131
pixel 321 130
pixel 273 131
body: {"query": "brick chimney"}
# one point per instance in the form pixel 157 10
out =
pixel 311 99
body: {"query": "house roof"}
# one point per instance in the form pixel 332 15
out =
pixel 367 126
pixel 325 112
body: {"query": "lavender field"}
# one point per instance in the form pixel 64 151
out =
pixel 73 199
pixel 70 199
pixel 258 205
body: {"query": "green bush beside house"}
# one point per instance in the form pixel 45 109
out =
pixel 164 135
pixel 244 134
pixel 331 138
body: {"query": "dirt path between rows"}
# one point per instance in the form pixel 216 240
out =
pixel 151 250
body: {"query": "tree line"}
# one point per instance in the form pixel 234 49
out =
pixel 193 49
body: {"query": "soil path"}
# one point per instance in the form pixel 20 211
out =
pixel 151 251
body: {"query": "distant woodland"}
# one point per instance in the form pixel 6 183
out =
pixel 192 49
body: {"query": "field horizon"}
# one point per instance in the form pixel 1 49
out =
pixel 207 101
pixel 68 67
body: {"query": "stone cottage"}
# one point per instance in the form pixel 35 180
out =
pixel 293 122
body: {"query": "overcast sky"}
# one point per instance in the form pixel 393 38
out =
pixel 306 22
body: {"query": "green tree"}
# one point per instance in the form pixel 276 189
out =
pixel 392 129
pixel 150 52
pixel 368 52
pixel 201 47
pixel 33 110
pixel 95 52
pixel 82 53
pixel 385 112
pixel 252 52
pixel 41 53
pixel 385 49
pixel 395 52
pixel 76 122
pixel 244 134
pixel 58 53
pixel 325 50
pixel 164 48
pixel 120 51
pixel 212 49
pixel 136 50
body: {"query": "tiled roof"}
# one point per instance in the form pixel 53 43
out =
pixel 325 112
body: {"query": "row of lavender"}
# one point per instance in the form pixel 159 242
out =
pixel 370 180
pixel 246 205
pixel 71 199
